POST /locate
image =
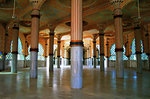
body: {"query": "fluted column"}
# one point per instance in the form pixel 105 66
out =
pixel 76 44
pixel 94 51
pixel 101 42
pixel 137 34
pixel 35 15
pixel 51 47
pixel 15 47
pixel 107 47
pixel 58 50
pixel 45 53
pixel 118 38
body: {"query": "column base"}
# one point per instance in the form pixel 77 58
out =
pixel 34 62
pixel 51 62
pixel 76 67
pixel 14 63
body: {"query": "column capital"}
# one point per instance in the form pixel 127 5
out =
pixel 101 28
pixel 94 36
pixel 36 4
pixel 116 3
pixel 51 29
pixel 16 24
pixel 58 37
pixel 136 23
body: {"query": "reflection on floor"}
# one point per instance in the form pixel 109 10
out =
pixel 56 85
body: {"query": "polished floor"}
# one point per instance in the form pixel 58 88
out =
pixel 56 85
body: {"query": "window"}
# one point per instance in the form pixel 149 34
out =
pixel 113 53
pixel 133 50
pixel 1 55
pixel 20 50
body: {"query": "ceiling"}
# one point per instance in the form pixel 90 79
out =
pixel 57 12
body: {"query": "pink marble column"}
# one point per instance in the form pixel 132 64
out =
pixel 34 42
pixel 118 38
pixel 76 44
pixel 15 47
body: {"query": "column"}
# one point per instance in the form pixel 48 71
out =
pixel 35 15
pixel 76 44
pixel 45 53
pixel 107 47
pixel 58 50
pixel 51 47
pixel 94 51
pixel 137 34
pixel 26 51
pixel 127 52
pixel 101 42
pixel 148 44
pixel 5 46
pixel 15 47
pixel 118 38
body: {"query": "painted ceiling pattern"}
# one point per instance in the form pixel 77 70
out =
pixel 58 12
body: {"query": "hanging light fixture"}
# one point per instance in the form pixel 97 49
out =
pixel 138 7
pixel 14 8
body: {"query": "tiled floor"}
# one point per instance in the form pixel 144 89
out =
pixel 56 85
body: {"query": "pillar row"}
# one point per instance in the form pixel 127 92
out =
pixel 118 38
pixel 15 47
pixel 76 44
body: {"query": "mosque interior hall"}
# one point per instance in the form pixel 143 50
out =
pixel 74 49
